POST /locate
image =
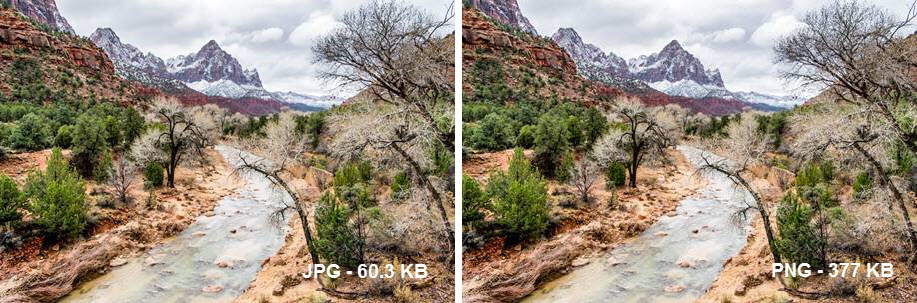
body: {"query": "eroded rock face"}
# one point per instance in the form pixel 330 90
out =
pixel 480 32
pixel 505 11
pixel 44 11
pixel 18 33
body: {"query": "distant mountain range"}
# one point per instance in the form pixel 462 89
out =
pixel 211 71
pixel 673 70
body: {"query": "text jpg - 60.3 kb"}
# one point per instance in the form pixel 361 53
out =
pixel 369 271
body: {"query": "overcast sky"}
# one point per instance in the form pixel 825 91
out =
pixel 273 36
pixel 735 36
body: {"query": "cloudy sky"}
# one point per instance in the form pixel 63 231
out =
pixel 273 36
pixel 735 36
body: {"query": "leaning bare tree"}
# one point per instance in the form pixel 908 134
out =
pixel 396 54
pixel 278 152
pixel 860 55
pixel 745 148
pixel 120 177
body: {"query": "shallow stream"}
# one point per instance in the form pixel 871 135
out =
pixel 213 260
pixel 675 260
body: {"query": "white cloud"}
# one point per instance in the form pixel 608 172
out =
pixel 316 25
pixel 777 26
pixel 258 38
pixel 729 35
pixel 267 35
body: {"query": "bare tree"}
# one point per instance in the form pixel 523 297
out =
pixel 395 52
pixel 390 136
pixel 745 148
pixel 585 174
pixel 280 150
pixel 859 54
pixel 183 138
pixel 852 133
pixel 121 175
pixel 648 133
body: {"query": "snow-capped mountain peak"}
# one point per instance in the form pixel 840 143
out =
pixel 673 63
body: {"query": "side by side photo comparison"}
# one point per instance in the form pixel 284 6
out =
pixel 476 151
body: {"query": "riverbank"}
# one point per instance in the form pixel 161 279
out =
pixel 32 273
pixel 496 273
pixel 747 276
pixel 279 280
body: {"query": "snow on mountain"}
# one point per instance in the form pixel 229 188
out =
pixel 673 63
pixel 316 101
pixel 211 63
pixel 43 11
pixel 133 64
pixel 688 88
pixel 210 71
pixel 779 101
pixel 588 56
pixel 505 11
pixel 673 70
pixel 593 63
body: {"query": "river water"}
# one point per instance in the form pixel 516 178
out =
pixel 238 236
pixel 675 260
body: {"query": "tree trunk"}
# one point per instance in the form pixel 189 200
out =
pixel 899 198
pixel 765 216
pixel 632 181
pixel 305 228
pixel 447 228
pixel 170 170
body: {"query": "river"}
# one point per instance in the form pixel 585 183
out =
pixel 675 260
pixel 213 260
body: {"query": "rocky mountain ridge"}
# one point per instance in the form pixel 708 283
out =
pixel 43 65
pixel 211 71
pixel 506 12
pixel 672 70
pixel 43 11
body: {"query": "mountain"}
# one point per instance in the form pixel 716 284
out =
pixel 211 71
pixel 133 64
pixel 597 65
pixel 778 101
pixel 506 12
pixel 43 11
pixel 211 65
pixel 43 66
pixel 307 100
pixel 673 70
pixel 672 64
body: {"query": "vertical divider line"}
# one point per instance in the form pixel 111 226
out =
pixel 458 153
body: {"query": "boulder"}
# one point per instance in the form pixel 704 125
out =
pixel 581 261
pixel 675 288
pixel 212 289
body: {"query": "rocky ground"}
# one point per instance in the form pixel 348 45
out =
pixel 35 272
pixel 496 272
